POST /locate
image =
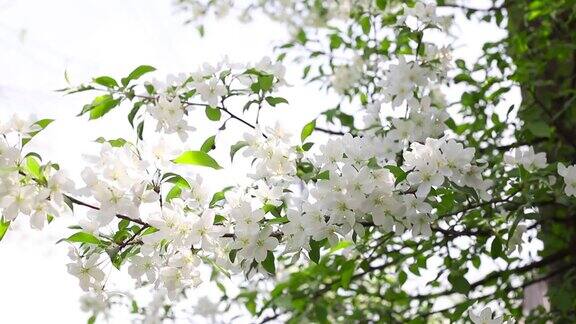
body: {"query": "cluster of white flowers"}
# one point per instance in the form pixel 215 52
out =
pixel 424 121
pixel 24 187
pixel 274 157
pixel 119 182
pixel 345 77
pixel 569 175
pixel 403 78
pixel 87 270
pixel 526 157
pixel 424 12
pixel 438 159
pixel 200 8
pixel 287 12
pixel 210 85
pixel 357 188
pixel 341 201
pixel 485 317
pixel 95 303
pixel 175 266
pixel 169 114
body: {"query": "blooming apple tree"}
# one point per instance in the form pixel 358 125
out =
pixel 393 186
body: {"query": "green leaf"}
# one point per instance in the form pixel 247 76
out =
pixel 341 245
pixel 273 101
pixel 414 269
pixel 365 23
pixel 177 180
pixel 134 111
pixel 135 308
pixel 213 114
pixel 119 142
pixel 208 144
pixel 461 64
pixel 123 224
pixel 34 167
pixel 539 128
pixel 219 219
pixel 140 130
pixel 83 237
pixel 314 253
pixel 43 123
pixel 106 81
pixel 476 261
pixel 100 106
pixel 218 196
pixel 459 283
pixel 149 230
pixel 347 271
pixel 4 225
pixel 232 255
pixel 175 192
pixel 402 277
pixel 269 263
pixel 335 41
pixel 398 173
pixel 307 130
pixel 265 82
pixel 137 73
pixel 324 175
pixel 275 211
pixel 307 146
pixel 381 4
pixel 278 220
pixel 236 147
pixel 197 158
pixel 496 248
pixel 463 77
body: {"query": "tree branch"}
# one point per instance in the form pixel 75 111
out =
pixel 328 131
pixel 497 274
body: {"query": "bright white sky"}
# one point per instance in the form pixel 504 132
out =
pixel 40 39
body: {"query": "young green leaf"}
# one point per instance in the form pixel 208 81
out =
pixel 459 283
pixel 236 147
pixel 365 23
pixel 137 73
pixel 119 142
pixel 106 81
pixel 208 144
pixel 265 82
pixel 496 247
pixel 314 253
pixel 34 168
pixel 83 237
pixel 273 101
pixel 4 225
pixel 398 173
pixel 213 114
pixel 307 130
pixel 175 192
pixel 269 263
pixel 346 272
pixel 101 106
pixel 197 158
pixel 140 130
pixel 42 124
